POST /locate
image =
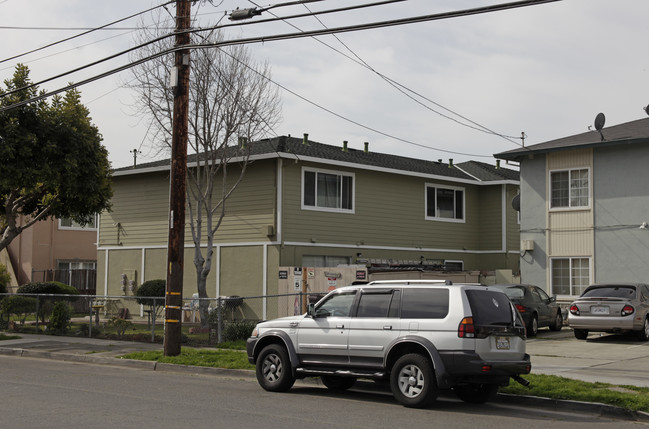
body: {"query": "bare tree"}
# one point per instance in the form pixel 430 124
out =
pixel 232 101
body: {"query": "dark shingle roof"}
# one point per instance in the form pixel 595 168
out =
pixel 626 133
pixel 292 146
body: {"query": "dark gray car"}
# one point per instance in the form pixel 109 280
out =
pixel 535 306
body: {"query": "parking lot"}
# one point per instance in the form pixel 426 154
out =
pixel 608 358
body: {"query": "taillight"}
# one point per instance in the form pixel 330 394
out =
pixel 520 308
pixel 627 310
pixel 574 310
pixel 466 328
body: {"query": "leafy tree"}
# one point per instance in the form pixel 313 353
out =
pixel 232 100
pixel 19 305
pixel 53 162
pixel 150 289
pixel 5 279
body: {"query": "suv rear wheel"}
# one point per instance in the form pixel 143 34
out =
pixel 337 383
pixel 476 393
pixel 274 372
pixel 413 381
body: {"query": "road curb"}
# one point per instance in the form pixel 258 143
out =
pixel 603 410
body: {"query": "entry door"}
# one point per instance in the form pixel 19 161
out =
pixel 323 339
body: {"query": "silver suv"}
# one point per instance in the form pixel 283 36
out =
pixel 420 335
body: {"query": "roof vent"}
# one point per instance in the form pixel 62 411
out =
pixel 344 145
pixel 450 163
pixel 305 139
pixel 367 147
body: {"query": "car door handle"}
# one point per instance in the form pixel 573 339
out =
pixel 340 326
pixel 387 328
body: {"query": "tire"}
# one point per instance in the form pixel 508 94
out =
pixel 581 334
pixel 412 381
pixel 643 334
pixel 274 372
pixel 558 322
pixel 533 327
pixel 476 393
pixel 337 383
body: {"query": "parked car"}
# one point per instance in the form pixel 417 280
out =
pixel 420 336
pixel 536 307
pixel 614 308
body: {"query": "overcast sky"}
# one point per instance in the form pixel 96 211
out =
pixel 545 70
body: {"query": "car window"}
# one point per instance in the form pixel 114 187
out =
pixel 489 307
pixel 374 304
pixel 424 303
pixel 338 305
pixel 514 292
pixel 544 296
pixel 610 292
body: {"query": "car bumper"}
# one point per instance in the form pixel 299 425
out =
pixel 602 324
pixel 250 348
pixel 469 367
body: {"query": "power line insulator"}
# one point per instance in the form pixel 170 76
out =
pixel 248 13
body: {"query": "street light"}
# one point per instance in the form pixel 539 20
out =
pixel 248 13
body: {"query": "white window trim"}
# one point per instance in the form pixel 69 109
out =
pixel 570 208
pixel 328 209
pixel 79 228
pixel 570 258
pixel 444 219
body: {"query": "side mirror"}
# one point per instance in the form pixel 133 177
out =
pixel 311 310
pixel 553 298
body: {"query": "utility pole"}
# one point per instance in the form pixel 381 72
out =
pixel 178 183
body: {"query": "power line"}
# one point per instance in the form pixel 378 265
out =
pixel 90 30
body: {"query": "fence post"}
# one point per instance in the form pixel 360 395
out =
pixel 153 321
pixel 219 320
pixel 90 320
pixel 37 305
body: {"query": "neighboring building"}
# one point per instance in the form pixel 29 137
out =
pixel 56 249
pixel 584 208
pixel 308 204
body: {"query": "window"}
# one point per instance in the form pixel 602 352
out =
pixel 424 303
pixel 375 304
pixel 444 203
pixel 569 188
pixel 338 305
pixel 327 190
pixel 67 223
pixel 570 276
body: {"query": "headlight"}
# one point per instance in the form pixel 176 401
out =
pixel 255 333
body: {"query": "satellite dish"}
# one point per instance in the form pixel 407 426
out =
pixel 646 109
pixel 599 121
pixel 599 124
pixel 516 202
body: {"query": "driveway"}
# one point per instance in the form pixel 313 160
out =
pixel 608 358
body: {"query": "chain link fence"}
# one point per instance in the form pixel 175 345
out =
pixel 225 318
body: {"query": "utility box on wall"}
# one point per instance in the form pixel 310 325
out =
pixel 527 245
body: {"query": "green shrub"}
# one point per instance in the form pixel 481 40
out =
pixel 238 330
pixel 48 288
pixel 5 279
pixel 150 289
pixel 60 318
pixel 121 325
pixel 20 306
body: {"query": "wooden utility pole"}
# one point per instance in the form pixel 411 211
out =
pixel 178 183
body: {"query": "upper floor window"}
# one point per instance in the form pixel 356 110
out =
pixel 327 190
pixel 569 188
pixel 444 203
pixel 67 223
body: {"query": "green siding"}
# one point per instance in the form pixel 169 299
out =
pixel 389 211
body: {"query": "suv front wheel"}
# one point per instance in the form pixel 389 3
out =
pixel 274 372
pixel 413 381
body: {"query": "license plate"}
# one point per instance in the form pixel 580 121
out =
pixel 599 310
pixel 502 343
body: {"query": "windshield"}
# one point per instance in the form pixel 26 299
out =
pixel 610 292
pixel 489 307
pixel 513 292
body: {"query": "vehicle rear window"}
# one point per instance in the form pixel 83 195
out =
pixel 489 307
pixel 514 292
pixel 611 292
pixel 424 303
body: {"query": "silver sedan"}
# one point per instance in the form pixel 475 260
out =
pixel 612 308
